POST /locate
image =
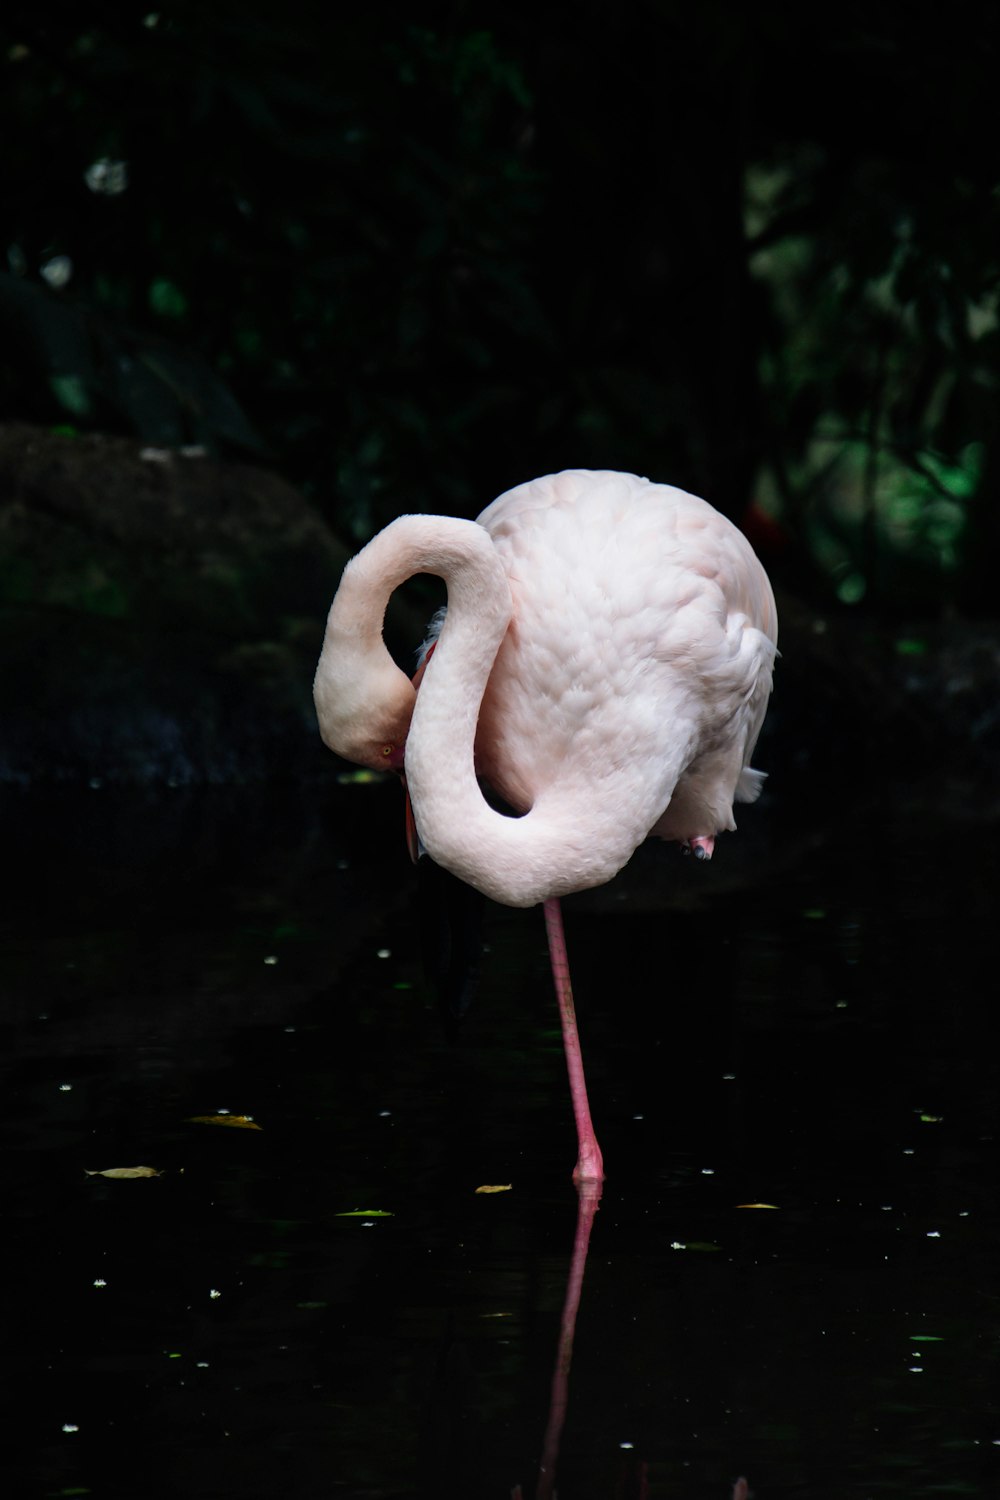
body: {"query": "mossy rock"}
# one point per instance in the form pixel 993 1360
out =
pixel 161 614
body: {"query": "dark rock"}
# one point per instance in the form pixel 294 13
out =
pixel 160 615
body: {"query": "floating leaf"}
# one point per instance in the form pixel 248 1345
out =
pixel 360 778
pixel 241 1122
pixel 365 1213
pixel 501 1187
pixel 756 1205
pixel 926 1338
pixel 124 1172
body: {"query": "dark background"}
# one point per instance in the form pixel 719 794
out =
pixel 269 276
pixel 409 256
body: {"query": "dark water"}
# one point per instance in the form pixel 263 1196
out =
pixel 807 1024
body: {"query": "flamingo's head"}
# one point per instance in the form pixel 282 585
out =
pixel 364 716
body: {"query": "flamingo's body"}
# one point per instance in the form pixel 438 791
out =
pixel 605 665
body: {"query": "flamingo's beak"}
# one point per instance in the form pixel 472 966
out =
pixel 413 842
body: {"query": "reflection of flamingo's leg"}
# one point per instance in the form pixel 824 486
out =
pixel 589 1198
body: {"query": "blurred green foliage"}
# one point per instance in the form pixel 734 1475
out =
pixel 414 254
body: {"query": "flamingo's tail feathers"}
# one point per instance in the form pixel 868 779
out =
pixel 750 785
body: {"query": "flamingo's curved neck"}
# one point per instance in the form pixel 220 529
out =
pixel 360 692
pixel 553 848
pixel 557 846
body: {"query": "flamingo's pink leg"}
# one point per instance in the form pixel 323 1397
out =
pixel 589 1165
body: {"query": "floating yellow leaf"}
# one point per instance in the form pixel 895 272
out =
pixel 756 1205
pixel 124 1172
pixel 502 1187
pixel 365 1213
pixel 242 1122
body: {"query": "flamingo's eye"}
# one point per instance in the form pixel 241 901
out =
pixel 387 750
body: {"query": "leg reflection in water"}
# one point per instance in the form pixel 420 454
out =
pixel 589 1197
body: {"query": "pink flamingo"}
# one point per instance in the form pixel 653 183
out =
pixel 604 665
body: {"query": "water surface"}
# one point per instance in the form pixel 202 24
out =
pixel 793 1274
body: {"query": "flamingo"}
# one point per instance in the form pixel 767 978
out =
pixel 604 664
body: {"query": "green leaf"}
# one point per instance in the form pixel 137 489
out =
pixel 70 392
pixel 166 299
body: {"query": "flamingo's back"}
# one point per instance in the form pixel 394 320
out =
pixel 643 622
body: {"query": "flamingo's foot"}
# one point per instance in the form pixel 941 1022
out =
pixel 590 1164
pixel 702 847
